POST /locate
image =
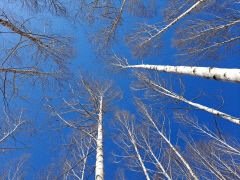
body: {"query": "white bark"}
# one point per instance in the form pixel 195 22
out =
pixel 170 144
pixel 88 146
pixel 99 172
pixel 166 92
pixel 84 167
pixel 174 21
pixel 138 154
pixel 156 159
pixel 10 132
pixel 220 74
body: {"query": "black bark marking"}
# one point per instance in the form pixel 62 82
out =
pixel 194 70
pixel 209 69
pixel 215 77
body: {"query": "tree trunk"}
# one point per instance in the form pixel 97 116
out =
pixel 220 74
pixel 22 33
pixel 166 92
pixel 18 71
pixel 99 172
pixel 171 146
pixel 138 154
pixel 156 159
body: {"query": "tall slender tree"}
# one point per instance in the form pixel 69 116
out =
pixel 215 157
pixel 91 101
pixel 220 74
pixel 128 140
pixel 158 88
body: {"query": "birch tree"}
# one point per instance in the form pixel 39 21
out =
pixel 54 6
pixel 108 16
pixel 211 36
pixel 155 154
pixel 153 151
pixel 148 37
pixel 229 145
pixel 91 100
pixel 78 154
pixel 16 168
pixel 215 157
pixel 11 125
pixel 158 88
pixel 128 141
pixel 220 74
pixel 52 47
pixel 214 162
pixel 28 53
pixel 190 171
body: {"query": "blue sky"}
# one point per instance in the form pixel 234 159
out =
pixel 44 146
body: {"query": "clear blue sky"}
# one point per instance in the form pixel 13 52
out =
pixel 44 147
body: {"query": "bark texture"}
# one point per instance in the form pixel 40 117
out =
pixel 99 172
pixel 220 74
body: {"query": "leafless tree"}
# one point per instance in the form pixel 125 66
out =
pixel 147 38
pixel 213 157
pixel 10 127
pixel 128 142
pixel 57 7
pixel 108 16
pixel 156 87
pixel 78 152
pixel 29 55
pixel 90 102
pixel 15 169
pixel 189 172
pixel 148 148
pixel 211 35
pixel 147 142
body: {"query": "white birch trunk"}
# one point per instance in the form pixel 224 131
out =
pixel 84 162
pixel 166 92
pixel 138 155
pixel 220 74
pixel 99 171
